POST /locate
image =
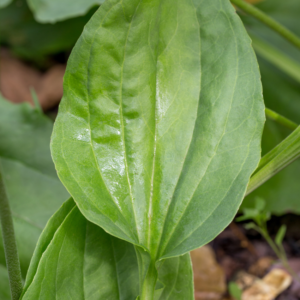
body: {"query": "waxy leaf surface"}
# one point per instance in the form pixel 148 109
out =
pixel 159 128
pixel 31 183
pixel 76 259
pixel 57 10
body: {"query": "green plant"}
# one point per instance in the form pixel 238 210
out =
pixel 260 216
pixel 141 133
pixel 30 181
pixel 157 135
pixel 234 291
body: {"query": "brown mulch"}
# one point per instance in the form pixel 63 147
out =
pixel 18 77
pixel 239 250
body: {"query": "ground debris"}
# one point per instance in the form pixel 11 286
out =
pixel 209 277
pixel 17 78
pixel 268 288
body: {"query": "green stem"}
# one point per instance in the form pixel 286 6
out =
pixel 35 100
pixel 278 250
pixel 276 160
pixel 271 243
pixel 148 287
pixel 281 119
pixel 261 16
pixel 286 264
pixel 10 245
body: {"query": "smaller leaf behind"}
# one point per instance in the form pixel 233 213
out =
pixel 51 11
pixel 29 176
pixel 76 259
pixel 280 235
pixel 4 3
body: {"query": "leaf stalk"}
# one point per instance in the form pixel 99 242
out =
pixel 279 59
pixel 10 245
pixel 276 160
pixel 264 18
pixel 148 287
pixel 272 115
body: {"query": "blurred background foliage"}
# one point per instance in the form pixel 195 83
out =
pixel 40 34
pixel 34 41
pixel 281 94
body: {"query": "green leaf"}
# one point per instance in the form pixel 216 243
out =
pixel 176 276
pixel 31 183
pixel 250 225
pixel 32 40
pixel 235 291
pixel 57 10
pixel 75 259
pixel 4 3
pixel 280 235
pixel 159 129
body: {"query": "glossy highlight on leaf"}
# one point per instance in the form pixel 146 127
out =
pixel 76 259
pixel 159 128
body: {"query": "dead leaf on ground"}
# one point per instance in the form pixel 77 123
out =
pixel 209 277
pixel 16 79
pixel 274 283
pixel 261 266
pixel 294 263
pixel 245 280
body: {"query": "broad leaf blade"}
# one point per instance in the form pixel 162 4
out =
pixel 76 259
pixel 57 10
pixel 164 108
pixel 32 186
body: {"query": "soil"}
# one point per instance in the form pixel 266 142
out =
pixel 238 250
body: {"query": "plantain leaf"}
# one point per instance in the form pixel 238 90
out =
pixel 160 125
pixel 76 259
pixel 31 183
pixel 56 10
